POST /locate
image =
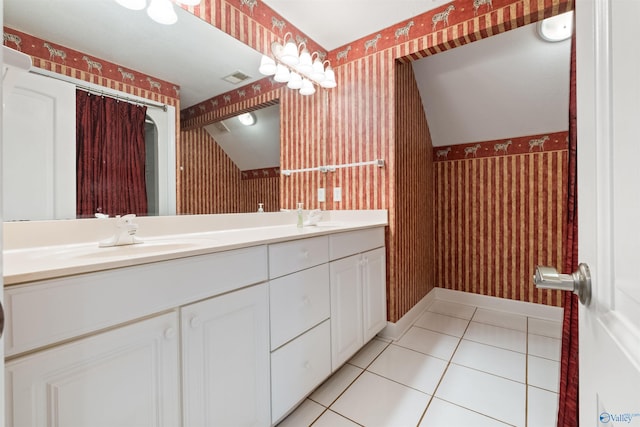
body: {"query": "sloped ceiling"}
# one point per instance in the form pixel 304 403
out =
pixel 512 84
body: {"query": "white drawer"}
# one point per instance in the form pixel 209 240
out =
pixel 298 367
pixel 54 310
pixel 352 242
pixel 287 257
pixel 298 302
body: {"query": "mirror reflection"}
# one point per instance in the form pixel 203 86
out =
pixel 189 60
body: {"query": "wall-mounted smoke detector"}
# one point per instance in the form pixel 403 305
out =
pixel 236 77
pixel 557 28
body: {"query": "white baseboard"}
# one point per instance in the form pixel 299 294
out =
pixel 395 330
pixel 529 309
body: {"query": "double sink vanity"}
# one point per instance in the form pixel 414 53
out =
pixel 214 320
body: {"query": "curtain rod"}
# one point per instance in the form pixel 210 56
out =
pixel 332 168
pixel 99 90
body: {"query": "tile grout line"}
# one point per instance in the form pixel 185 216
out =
pixel 328 408
pixel 435 390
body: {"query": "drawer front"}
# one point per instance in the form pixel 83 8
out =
pixel 298 302
pixel 299 367
pixel 50 311
pixel 288 257
pixel 352 242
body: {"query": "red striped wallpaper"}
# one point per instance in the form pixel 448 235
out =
pixel 212 183
pixel 411 234
pixel 499 215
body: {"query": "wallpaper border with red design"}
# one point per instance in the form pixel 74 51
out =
pixel 502 147
pixel 72 63
pixel 272 172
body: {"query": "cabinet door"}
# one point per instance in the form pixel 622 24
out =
pixel 346 309
pixel 225 354
pixel 124 377
pixel 374 292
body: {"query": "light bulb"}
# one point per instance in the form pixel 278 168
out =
pixel 304 64
pixel 330 78
pixel 267 66
pixel 307 88
pixel 317 72
pixel 290 54
pixel 282 74
pixel 162 12
pixel 295 81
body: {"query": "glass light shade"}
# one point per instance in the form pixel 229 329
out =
pixel 267 66
pixel 282 74
pixel 190 2
pixel 162 12
pixel 307 88
pixel 317 71
pixel 295 81
pixel 247 119
pixel 556 28
pixel 289 54
pixel 330 79
pixel 133 4
pixel 304 63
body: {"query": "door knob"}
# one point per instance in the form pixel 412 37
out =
pixel 579 282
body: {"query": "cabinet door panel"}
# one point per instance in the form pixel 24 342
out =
pixel 374 291
pixel 124 377
pixel 346 309
pixel 226 360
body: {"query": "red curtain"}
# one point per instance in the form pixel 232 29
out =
pixel 110 156
pixel 568 403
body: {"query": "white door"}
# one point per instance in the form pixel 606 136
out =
pixel 608 101
pixel 38 151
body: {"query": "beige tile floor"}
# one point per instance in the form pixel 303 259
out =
pixel 458 365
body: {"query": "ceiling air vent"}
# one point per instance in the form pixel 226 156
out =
pixel 236 77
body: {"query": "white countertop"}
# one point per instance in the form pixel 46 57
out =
pixel 39 262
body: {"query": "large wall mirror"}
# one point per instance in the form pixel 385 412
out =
pixel 192 54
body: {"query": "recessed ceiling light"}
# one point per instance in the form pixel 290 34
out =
pixel 557 28
pixel 247 119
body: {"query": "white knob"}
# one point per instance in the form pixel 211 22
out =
pixel 305 254
pixel 307 365
pixel 306 301
pixel 195 322
pixel 169 333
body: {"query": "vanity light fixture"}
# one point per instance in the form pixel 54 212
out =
pixel 557 28
pixel 247 119
pixel 297 67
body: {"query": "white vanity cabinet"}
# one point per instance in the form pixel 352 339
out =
pixel 225 359
pixel 104 348
pixel 300 330
pixel 128 376
pixel 358 291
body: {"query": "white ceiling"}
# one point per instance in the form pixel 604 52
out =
pixel 334 23
pixel 512 84
pixel 251 147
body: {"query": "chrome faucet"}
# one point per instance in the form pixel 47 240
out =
pixel 125 232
